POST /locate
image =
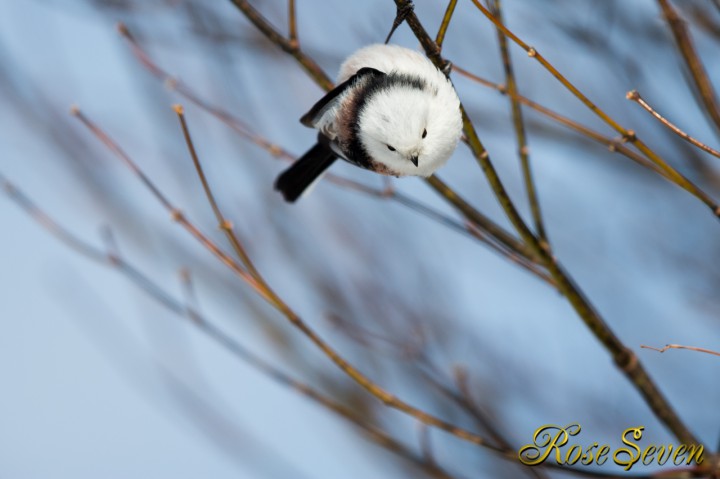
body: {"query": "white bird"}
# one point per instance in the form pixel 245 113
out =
pixel 393 112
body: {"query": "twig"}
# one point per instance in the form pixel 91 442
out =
pixel 613 145
pixel 292 25
pixel 635 96
pixel 495 233
pixel 225 225
pixel 678 346
pixel 190 311
pixel 629 135
pixel 477 218
pixel 312 68
pixel 692 60
pixel 520 134
pixel 260 286
pixel 440 38
pixel 625 359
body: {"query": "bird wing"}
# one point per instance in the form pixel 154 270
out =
pixel 315 116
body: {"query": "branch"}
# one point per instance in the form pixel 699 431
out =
pixel 678 346
pixel 293 48
pixel 491 234
pixel 613 145
pixel 440 38
pixel 625 359
pixel 630 136
pixel 259 285
pixel 114 260
pixel 635 96
pixel 692 60
pixel 521 136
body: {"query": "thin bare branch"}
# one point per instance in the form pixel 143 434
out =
pixel 440 38
pixel 613 145
pixel 630 136
pixel 679 346
pixel 225 225
pixel 635 96
pixel 312 68
pixel 191 312
pixel 625 359
pixel 692 60
pixel 491 231
pixel 292 25
pixel 520 134
pixel 259 285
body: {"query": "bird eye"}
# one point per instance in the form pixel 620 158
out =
pixel 390 148
pixel 424 133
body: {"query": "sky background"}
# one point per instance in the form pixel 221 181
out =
pixel 98 380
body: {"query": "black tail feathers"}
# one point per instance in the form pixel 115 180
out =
pixel 303 173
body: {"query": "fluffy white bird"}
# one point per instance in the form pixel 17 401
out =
pixel 393 112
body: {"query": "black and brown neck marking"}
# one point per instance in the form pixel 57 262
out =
pixel 348 121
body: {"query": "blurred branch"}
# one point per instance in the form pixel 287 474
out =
pixel 312 68
pixel 613 145
pixel 115 261
pixel 260 286
pixel 492 234
pixel 635 96
pixel 440 38
pixel 692 60
pixel 625 359
pixel 224 224
pixel 630 136
pixel 678 346
pixel 292 25
pixel 477 218
pixel 521 135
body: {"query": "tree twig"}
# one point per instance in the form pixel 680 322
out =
pixel 114 260
pixel 312 68
pixel 440 37
pixel 613 145
pixel 679 346
pixel 520 133
pixel 625 359
pixel 260 286
pixel 635 96
pixel 292 25
pixel 491 232
pixel 629 135
pixel 692 60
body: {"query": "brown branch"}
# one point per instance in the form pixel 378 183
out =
pixel 225 225
pixel 480 220
pixel 672 174
pixel 493 235
pixel 613 145
pixel 678 346
pixel 692 60
pixel 259 285
pixel 520 134
pixel 440 37
pixel 312 68
pixel 635 96
pixel 115 261
pixel 292 25
pixel 625 359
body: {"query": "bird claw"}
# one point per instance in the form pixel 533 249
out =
pixel 447 68
pixel 403 11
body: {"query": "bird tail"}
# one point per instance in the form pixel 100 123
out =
pixel 304 172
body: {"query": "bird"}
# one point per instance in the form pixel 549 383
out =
pixel 392 112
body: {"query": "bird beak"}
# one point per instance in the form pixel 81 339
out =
pixel 414 159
